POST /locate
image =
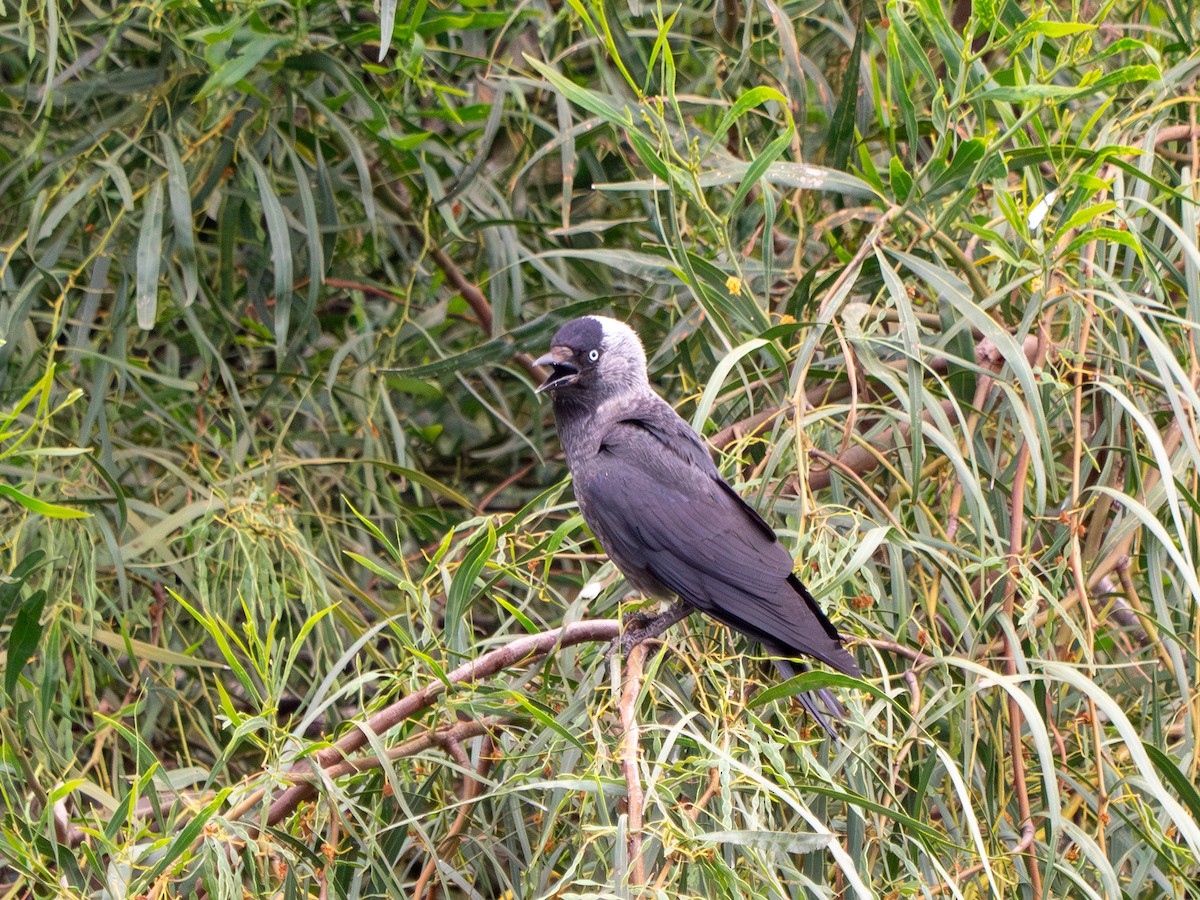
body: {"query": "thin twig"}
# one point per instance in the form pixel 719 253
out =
pixel 1016 543
pixel 713 788
pixel 470 292
pixel 922 660
pixel 672 859
pixel 439 737
pixel 522 650
pixel 472 787
pixel 504 485
pixel 1118 553
pixel 839 463
pixel 479 303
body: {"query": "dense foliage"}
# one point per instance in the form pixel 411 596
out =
pixel 271 276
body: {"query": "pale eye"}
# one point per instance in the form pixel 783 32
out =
pixel 593 355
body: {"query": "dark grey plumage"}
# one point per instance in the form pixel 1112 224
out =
pixel 651 494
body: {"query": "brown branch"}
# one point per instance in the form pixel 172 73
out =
pixel 959 879
pixel 504 485
pixel 714 788
pixel 522 650
pixel 1016 543
pixel 479 304
pixel 471 788
pixel 470 292
pixel 346 284
pixel 747 427
pixel 865 457
pixel 438 737
pixel 634 798
pixel 922 660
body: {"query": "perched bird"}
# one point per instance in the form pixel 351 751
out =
pixel 653 497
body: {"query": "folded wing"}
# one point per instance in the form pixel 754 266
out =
pixel 658 505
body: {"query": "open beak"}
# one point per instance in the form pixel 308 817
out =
pixel 563 371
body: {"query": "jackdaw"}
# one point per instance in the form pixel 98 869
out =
pixel 653 497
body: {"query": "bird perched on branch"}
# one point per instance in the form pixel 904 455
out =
pixel 653 497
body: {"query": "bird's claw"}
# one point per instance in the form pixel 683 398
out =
pixel 635 628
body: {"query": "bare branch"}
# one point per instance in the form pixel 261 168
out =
pixel 635 800
pixel 522 650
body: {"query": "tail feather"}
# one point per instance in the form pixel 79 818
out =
pixel 827 647
pixel 816 703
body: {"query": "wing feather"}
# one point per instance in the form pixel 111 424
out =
pixel 658 505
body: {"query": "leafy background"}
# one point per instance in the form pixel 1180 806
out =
pixel 928 279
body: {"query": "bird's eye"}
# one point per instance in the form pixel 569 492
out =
pixel 593 355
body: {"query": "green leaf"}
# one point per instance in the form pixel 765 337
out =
pixel 181 218
pixel 230 71
pixel 41 507
pixel 962 169
pixel 842 127
pixel 751 99
pixel 281 251
pixel 149 256
pixel 1183 786
pixel 901 180
pixel 771 841
pixel 462 588
pixel 761 165
pixel 816 680
pixel 23 639
pixel 10 585
pixel 139 650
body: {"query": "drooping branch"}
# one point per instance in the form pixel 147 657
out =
pixel 521 651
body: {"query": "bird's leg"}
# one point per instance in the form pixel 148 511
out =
pixel 643 627
pixel 636 619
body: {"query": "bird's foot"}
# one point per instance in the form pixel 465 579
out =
pixel 640 626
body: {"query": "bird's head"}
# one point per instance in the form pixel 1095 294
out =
pixel 594 356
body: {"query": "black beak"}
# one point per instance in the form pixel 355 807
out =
pixel 563 371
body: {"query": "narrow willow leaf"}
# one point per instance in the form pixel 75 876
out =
pixel 751 99
pixel 41 507
pixel 23 639
pixel 182 225
pixel 782 174
pixel 716 382
pixel 462 588
pixel 121 182
pixel 774 841
pixel 816 680
pixel 68 203
pixel 179 850
pixel 11 584
pixel 1176 778
pixel 312 230
pixel 233 69
pixel 387 25
pixel 842 127
pixel 149 256
pixel 602 105
pixel 139 650
pixel 281 250
pixel 760 166
pixel 901 181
